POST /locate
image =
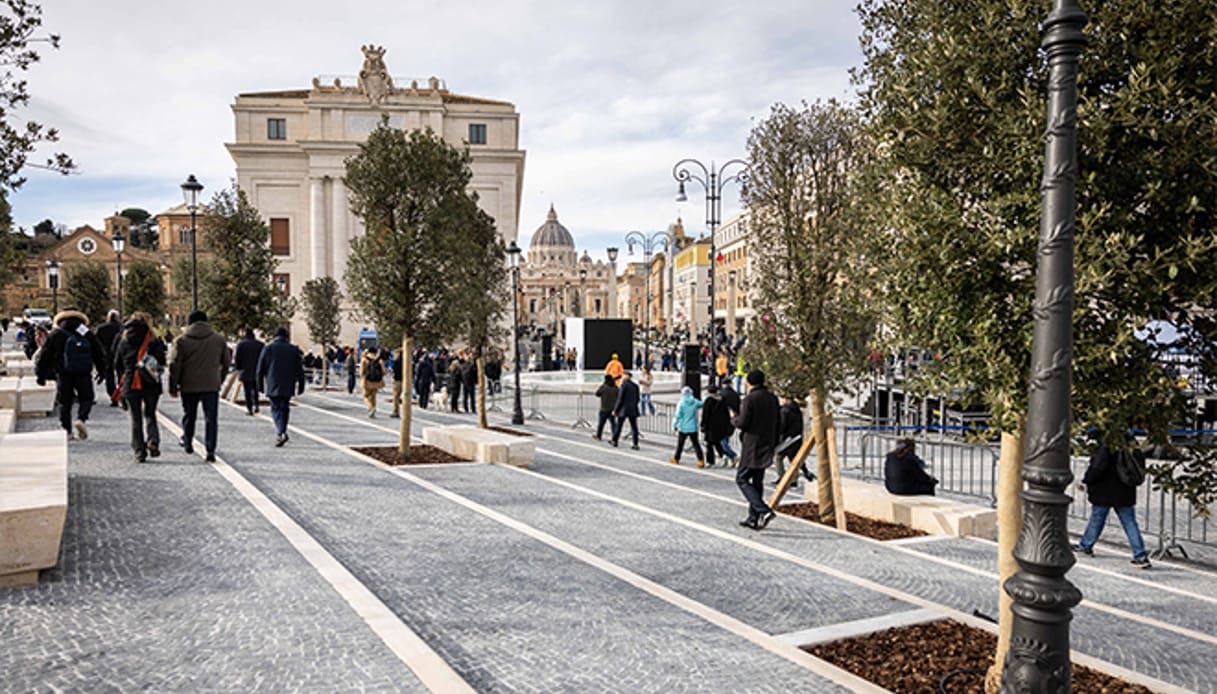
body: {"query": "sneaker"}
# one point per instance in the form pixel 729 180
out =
pixel 154 449
pixel 749 523
pixel 1142 563
pixel 280 440
pixel 634 447
pixel 674 461
pixel 1083 550
pixel 141 457
pixel 614 442
pixel 82 432
pixel 764 521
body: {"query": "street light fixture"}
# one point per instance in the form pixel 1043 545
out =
pixel 582 292
pixel 513 257
pixel 712 180
pixel 52 278
pixel 611 311
pixel 119 244
pixel 190 192
pixel 648 244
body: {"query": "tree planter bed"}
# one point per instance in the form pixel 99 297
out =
pixel 869 527
pixel 512 432
pixel 419 455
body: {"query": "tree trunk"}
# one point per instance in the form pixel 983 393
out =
pixel 819 427
pixel 1009 525
pixel 481 362
pixel 325 371
pixel 407 376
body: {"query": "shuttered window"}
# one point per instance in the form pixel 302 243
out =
pixel 280 237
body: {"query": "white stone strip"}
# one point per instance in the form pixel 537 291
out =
pixel 860 627
pixel 425 663
pixel 723 621
pixel 1133 579
pixel 916 540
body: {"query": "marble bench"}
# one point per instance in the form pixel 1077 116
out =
pixel 18 366
pixel 38 401
pixel 10 397
pixel 932 514
pixel 482 445
pixel 33 504
pixel 8 422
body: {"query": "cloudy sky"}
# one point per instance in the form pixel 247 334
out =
pixel 610 94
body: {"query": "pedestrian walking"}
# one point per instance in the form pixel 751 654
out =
pixel 68 356
pixel 790 438
pixel 645 381
pixel 730 397
pixel 245 361
pixel 469 385
pixel 107 335
pixel 626 409
pixel 139 359
pixel 716 426
pixel 371 377
pixel 607 392
pixel 280 374
pixel 398 388
pixel 685 426
pixel 1111 482
pixel 454 384
pixel 424 378
pixel 757 421
pixel 351 364
pixel 197 368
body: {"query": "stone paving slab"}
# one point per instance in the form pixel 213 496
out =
pixel 506 611
pixel 169 581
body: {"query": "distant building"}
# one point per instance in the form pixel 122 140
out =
pixel 692 287
pixel 731 240
pixel 556 283
pixel 631 293
pixel 290 148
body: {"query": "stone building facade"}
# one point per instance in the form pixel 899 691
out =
pixel 556 282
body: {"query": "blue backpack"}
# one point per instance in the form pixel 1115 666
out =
pixel 77 354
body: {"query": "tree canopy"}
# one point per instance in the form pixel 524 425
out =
pixel 144 289
pixel 88 286
pixel 321 299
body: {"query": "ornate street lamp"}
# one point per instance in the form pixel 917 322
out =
pixel 1038 659
pixel 119 244
pixel 612 299
pixel 52 278
pixel 731 302
pixel 712 180
pixel 648 244
pixel 190 192
pixel 513 257
pixel 582 292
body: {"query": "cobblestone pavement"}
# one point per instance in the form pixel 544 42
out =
pixel 169 581
pixel 506 611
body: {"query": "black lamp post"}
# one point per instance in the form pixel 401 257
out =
pixel 52 278
pixel 119 244
pixel 190 191
pixel 513 256
pixel 649 244
pixel 712 180
pixel 611 309
pixel 582 292
pixel 1038 659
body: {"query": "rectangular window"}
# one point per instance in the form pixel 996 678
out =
pixel 477 133
pixel 280 237
pixel 276 128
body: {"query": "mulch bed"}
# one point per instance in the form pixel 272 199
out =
pixel 419 455
pixel 513 432
pixel 870 527
pixel 916 658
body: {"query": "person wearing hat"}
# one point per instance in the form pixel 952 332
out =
pixel 614 368
pixel 197 368
pixel 758 422
pixel 904 472
pixel 280 375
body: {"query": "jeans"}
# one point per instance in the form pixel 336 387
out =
pixel 280 412
pixel 725 446
pixel 612 422
pixel 74 388
pixel 644 403
pixel 739 383
pixel 142 410
pixel 251 395
pixel 749 480
pixel 680 444
pixel 619 424
pixel 1128 518
pixel 190 415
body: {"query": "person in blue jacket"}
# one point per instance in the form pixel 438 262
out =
pixel 685 426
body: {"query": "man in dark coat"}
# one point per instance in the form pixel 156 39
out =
pixel 424 378
pixel 281 374
pixel 607 392
pixel 626 408
pixel 469 383
pixel 790 438
pixel 904 472
pixel 245 361
pixel 68 357
pixel 196 370
pixel 1106 491
pixel 716 425
pixel 757 421
pixel 107 335
pixel 730 397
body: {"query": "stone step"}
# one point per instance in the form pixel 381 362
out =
pixel 33 503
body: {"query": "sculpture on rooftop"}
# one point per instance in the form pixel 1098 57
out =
pixel 374 79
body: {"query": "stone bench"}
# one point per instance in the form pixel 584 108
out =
pixel 932 514
pixel 33 504
pixel 482 445
pixel 8 422
pixel 10 397
pixel 38 401
pixel 18 366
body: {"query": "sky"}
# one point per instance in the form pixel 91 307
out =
pixel 610 94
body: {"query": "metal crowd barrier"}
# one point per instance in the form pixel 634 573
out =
pixel 969 469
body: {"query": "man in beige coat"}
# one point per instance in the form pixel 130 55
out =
pixel 197 368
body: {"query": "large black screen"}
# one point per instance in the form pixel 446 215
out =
pixel 604 338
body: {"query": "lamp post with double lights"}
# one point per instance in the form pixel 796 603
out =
pixel 513 257
pixel 712 180
pixel 119 244
pixel 52 278
pixel 190 192
pixel 648 245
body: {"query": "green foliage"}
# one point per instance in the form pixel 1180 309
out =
pixel 144 289
pixel 237 290
pixel 954 94
pixel 814 322
pixel 1192 476
pixel 87 286
pixel 19 23
pixel 321 299
pixel 407 272
pixel 482 302
pixel 46 228
pixel 180 279
pixel 11 253
pixel 137 215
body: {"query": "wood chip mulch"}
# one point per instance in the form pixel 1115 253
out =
pixel 419 455
pixel 513 432
pixel 916 658
pixel 870 527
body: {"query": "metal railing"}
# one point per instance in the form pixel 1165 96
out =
pixel 968 469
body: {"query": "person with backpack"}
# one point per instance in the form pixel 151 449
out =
pixel 1111 482
pixel 280 374
pixel 68 357
pixel 139 359
pixel 197 369
pixel 372 377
